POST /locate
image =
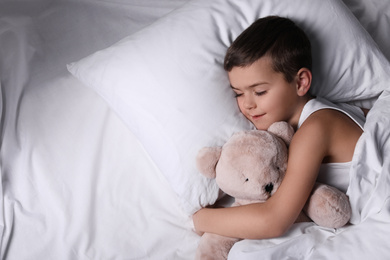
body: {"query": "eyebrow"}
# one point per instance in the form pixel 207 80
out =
pixel 252 86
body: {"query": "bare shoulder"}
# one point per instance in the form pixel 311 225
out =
pixel 316 129
pixel 310 141
pixel 338 134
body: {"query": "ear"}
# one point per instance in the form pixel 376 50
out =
pixel 304 78
pixel 207 159
pixel 283 130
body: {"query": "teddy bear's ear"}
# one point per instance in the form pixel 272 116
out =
pixel 206 160
pixel 283 130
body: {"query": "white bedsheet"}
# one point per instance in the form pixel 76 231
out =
pixel 76 184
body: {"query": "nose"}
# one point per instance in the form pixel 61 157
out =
pixel 249 103
pixel 269 187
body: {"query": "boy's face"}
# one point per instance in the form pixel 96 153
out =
pixel 263 95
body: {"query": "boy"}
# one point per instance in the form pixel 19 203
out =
pixel 269 69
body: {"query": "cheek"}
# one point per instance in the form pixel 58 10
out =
pixel 273 104
pixel 240 105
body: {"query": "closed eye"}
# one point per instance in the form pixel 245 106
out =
pixel 260 93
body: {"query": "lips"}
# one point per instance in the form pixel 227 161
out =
pixel 256 117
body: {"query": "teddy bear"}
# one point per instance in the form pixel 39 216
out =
pixel 250 167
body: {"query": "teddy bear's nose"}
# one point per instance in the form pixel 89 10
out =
pixel 269 187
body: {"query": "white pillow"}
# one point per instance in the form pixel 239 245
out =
pixel 168 84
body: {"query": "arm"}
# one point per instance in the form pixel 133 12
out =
pixel 277 214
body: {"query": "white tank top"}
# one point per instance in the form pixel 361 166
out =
pixel 333 174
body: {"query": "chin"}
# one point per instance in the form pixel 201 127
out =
pixel 261 126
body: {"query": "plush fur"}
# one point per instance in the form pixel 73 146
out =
pixel 250 167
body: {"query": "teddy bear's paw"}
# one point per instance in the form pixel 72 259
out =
pixel 214 247
pixel 328 207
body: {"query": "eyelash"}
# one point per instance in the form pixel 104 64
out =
pixel 260 93
pixel 256 93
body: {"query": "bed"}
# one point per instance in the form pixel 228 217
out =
pixel 105 103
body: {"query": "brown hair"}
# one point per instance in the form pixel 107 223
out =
pixel 274 36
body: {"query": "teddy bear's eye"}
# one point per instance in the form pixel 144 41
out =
pixel 246 179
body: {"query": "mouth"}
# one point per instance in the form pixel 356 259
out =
pixel 256 117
